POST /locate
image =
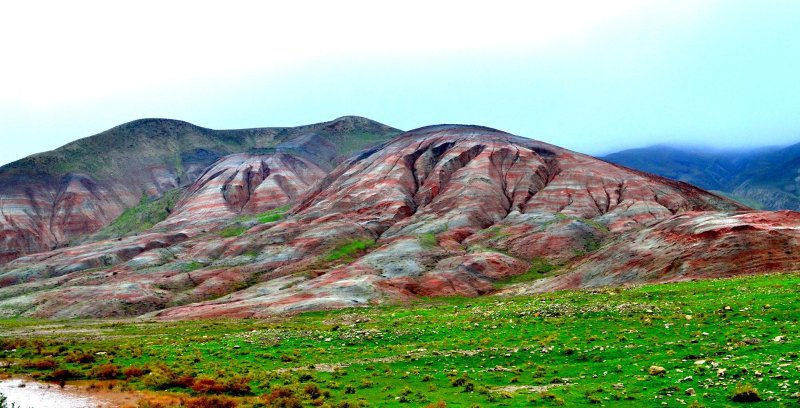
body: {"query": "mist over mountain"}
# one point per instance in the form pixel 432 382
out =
pixel 762 177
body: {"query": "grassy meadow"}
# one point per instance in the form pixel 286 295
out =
pixel 717 343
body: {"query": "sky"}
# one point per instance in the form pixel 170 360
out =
pixel 592 76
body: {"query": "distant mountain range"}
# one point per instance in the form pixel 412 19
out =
pixel 763 178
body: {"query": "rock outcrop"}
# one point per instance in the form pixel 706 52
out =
pixel 244 184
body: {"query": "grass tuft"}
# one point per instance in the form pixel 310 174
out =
pixel 428 240
pixel 540 268
pixel 273 215
pixel 232 231
pixel 349 250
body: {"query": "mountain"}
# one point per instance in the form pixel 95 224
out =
pixel 51 199
pixel 438 211
pixel 763 178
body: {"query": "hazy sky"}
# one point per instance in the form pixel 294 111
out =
pixel 593 76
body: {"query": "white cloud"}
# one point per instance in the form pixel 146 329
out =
pixel 66 52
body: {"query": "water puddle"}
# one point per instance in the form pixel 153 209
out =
pixel 31 394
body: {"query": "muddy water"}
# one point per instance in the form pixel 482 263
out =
pixel 31 394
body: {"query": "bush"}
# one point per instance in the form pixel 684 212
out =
pixel 184 381
pixel 60 374
pixel 207 386
pixel 161 377
pixel 132 372
pixel 458 382
pixel 281 397
pixel 210 402
pixel 312 391
pixel 82 358
pixel 745 393
pixel 41 364
pixel 105 371
pixel 238 386
pixel 11 344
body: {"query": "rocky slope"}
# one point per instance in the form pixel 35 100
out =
pixel 688 246
pixel 442 210
pixel 50 199
pixel 764 178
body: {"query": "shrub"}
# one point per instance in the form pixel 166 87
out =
pixel 305 377
pixel 11 344
pixel 82 358
pixel 133 371
pixel 745 393
pixel 238 386
pixel 149 404
pixel 161 377
pixel 60 374
pixel 184 381
pixel 105 371
pixel 210 402
pixel 312 391
pixel 41 364
pixel 207 386
pixel 281 397
pixel 458 382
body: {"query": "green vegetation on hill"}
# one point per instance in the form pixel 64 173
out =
pixel 232 231
pixel 358 140
pixel 540 268
pixel 275 214
pixel 143 216
pixel 707 343
pixel 349 250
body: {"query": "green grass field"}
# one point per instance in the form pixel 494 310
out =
pixel 635 347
